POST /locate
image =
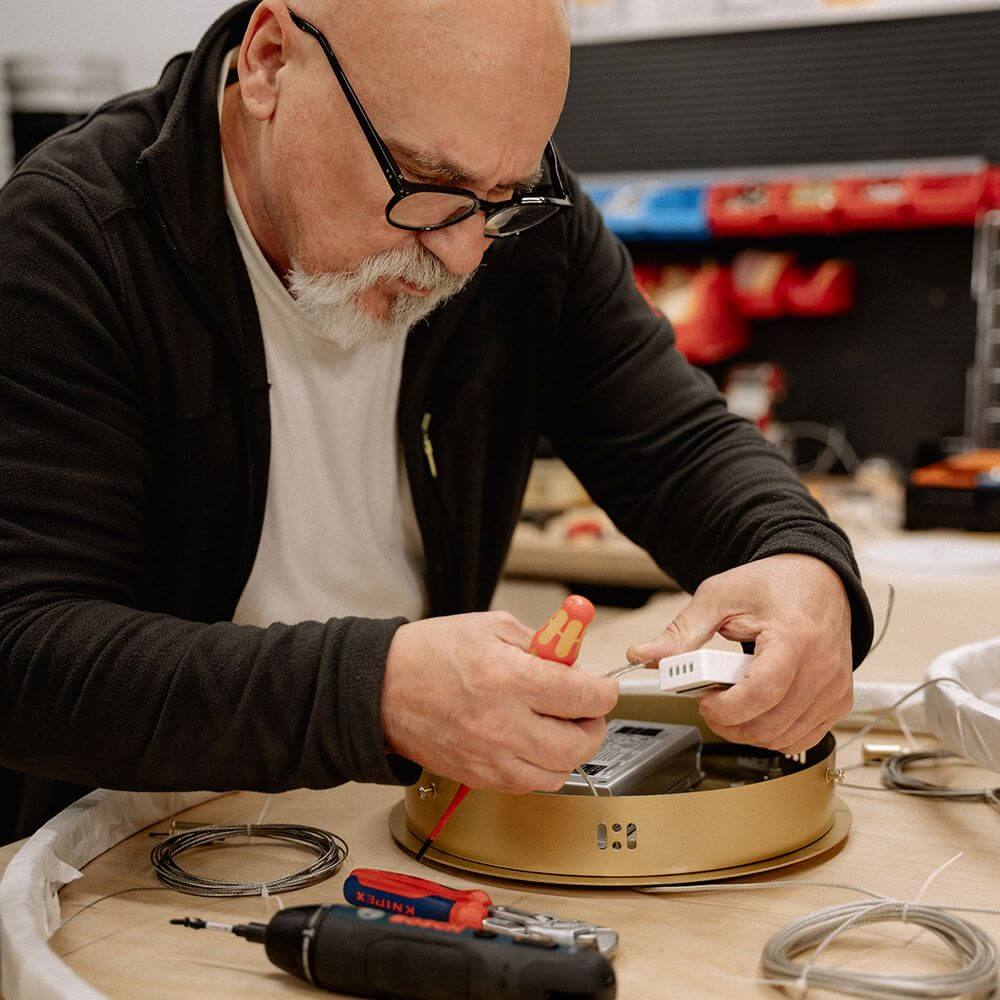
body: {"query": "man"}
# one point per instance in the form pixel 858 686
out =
pixel 269 400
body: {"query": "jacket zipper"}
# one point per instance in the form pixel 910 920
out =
pixel 437 537
pixel 425 428
pixel 431 409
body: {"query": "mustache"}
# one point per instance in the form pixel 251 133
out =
pixel 414 264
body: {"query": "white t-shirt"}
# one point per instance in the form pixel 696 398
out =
pixel 340 536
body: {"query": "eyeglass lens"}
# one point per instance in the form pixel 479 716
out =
pixel 427 209
pixel 433 210
pixel 517 218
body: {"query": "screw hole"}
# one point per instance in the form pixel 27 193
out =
pixel 617 845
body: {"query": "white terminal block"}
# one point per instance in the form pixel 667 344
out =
pixel 688 673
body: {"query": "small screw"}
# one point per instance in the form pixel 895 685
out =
pixel 428 792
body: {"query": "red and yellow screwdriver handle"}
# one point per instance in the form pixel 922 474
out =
pixel 559 641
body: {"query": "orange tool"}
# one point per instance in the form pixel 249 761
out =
pixel 558 640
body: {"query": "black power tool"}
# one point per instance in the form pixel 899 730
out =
pixel 370 953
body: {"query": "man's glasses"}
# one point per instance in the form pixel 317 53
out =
pixel 424 207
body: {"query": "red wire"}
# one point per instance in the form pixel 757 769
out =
pixel 456 801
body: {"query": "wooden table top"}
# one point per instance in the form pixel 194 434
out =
pixel 671 946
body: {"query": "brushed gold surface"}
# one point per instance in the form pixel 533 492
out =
pixel 546 837
pixel 833 838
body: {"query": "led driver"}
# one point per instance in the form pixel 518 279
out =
pixel 689 672
pixel 701 669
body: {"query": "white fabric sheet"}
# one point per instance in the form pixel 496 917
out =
pixel 50 859
pixel 968 724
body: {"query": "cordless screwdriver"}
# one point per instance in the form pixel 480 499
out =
pixel 371 953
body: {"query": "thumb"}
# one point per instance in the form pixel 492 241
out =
pixel 697 622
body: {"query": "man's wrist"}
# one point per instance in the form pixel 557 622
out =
pixel 835 553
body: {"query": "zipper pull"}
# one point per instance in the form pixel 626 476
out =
pixel 428 445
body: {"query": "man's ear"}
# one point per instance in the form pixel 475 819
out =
pixel 265 50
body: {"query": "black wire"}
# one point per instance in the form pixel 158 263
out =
pixel 111 895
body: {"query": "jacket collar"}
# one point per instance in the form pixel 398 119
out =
pixel 183 167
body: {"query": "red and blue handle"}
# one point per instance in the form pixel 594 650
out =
pixel 416 897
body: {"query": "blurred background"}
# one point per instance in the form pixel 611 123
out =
pixel 810 190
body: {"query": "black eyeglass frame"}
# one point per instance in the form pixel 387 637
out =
pixel 403 188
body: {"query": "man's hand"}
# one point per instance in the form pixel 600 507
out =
pixel 464 698
pixel 800 682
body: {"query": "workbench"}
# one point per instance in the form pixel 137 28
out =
pixel 671 946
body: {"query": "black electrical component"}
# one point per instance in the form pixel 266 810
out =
pixel 370 953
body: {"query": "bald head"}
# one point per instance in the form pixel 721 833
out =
pixel 463 77
pixel 464 93
pixel 521 43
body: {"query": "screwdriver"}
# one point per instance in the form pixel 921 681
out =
pixel 558 641
pixel 370 953
pixel 396 892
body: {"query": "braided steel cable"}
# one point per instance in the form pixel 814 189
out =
pixel 894 775
pixel 976 977
pixel 331 853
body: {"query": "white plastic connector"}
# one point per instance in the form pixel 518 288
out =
pixel 702 668
pixel 689 672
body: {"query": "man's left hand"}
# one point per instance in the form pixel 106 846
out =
pixel 800 684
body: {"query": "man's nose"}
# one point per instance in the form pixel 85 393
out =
pixel 460 247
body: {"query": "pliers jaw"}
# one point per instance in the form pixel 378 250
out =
pixel 574 933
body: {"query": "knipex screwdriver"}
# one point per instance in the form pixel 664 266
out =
pixel 558 641
pixel 395 892
pixel 371 953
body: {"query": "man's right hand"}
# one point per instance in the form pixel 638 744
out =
pixel 464 698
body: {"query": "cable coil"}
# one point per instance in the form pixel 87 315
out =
pixel 893 774
pixel 970 945
pixel 331 853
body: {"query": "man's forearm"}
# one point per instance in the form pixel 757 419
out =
pixel 101 694
pixel 652 440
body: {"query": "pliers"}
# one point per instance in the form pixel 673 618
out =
pixel 472 908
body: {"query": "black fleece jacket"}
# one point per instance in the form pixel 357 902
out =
pixel 134 446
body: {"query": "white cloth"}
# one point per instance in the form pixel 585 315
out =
pixel 53 857
pixel 967 722
pixel 340 536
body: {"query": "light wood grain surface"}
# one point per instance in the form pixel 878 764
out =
pixel 548 555
pixel 672 946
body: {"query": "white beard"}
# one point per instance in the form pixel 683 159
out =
pixel 331 301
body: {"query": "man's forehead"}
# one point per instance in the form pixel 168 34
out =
pixel 451 171
pixel 464 92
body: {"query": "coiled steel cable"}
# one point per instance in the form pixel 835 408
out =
pixel 894 775
pixel 977 976
pixel 331 853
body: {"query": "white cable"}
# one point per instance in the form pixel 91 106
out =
pixel 836 446
pixel 865 730
pixel 856 916
pixel 263 810
pixel 656 890
pixel 975 951
pixel 904 728
pixel 977 977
